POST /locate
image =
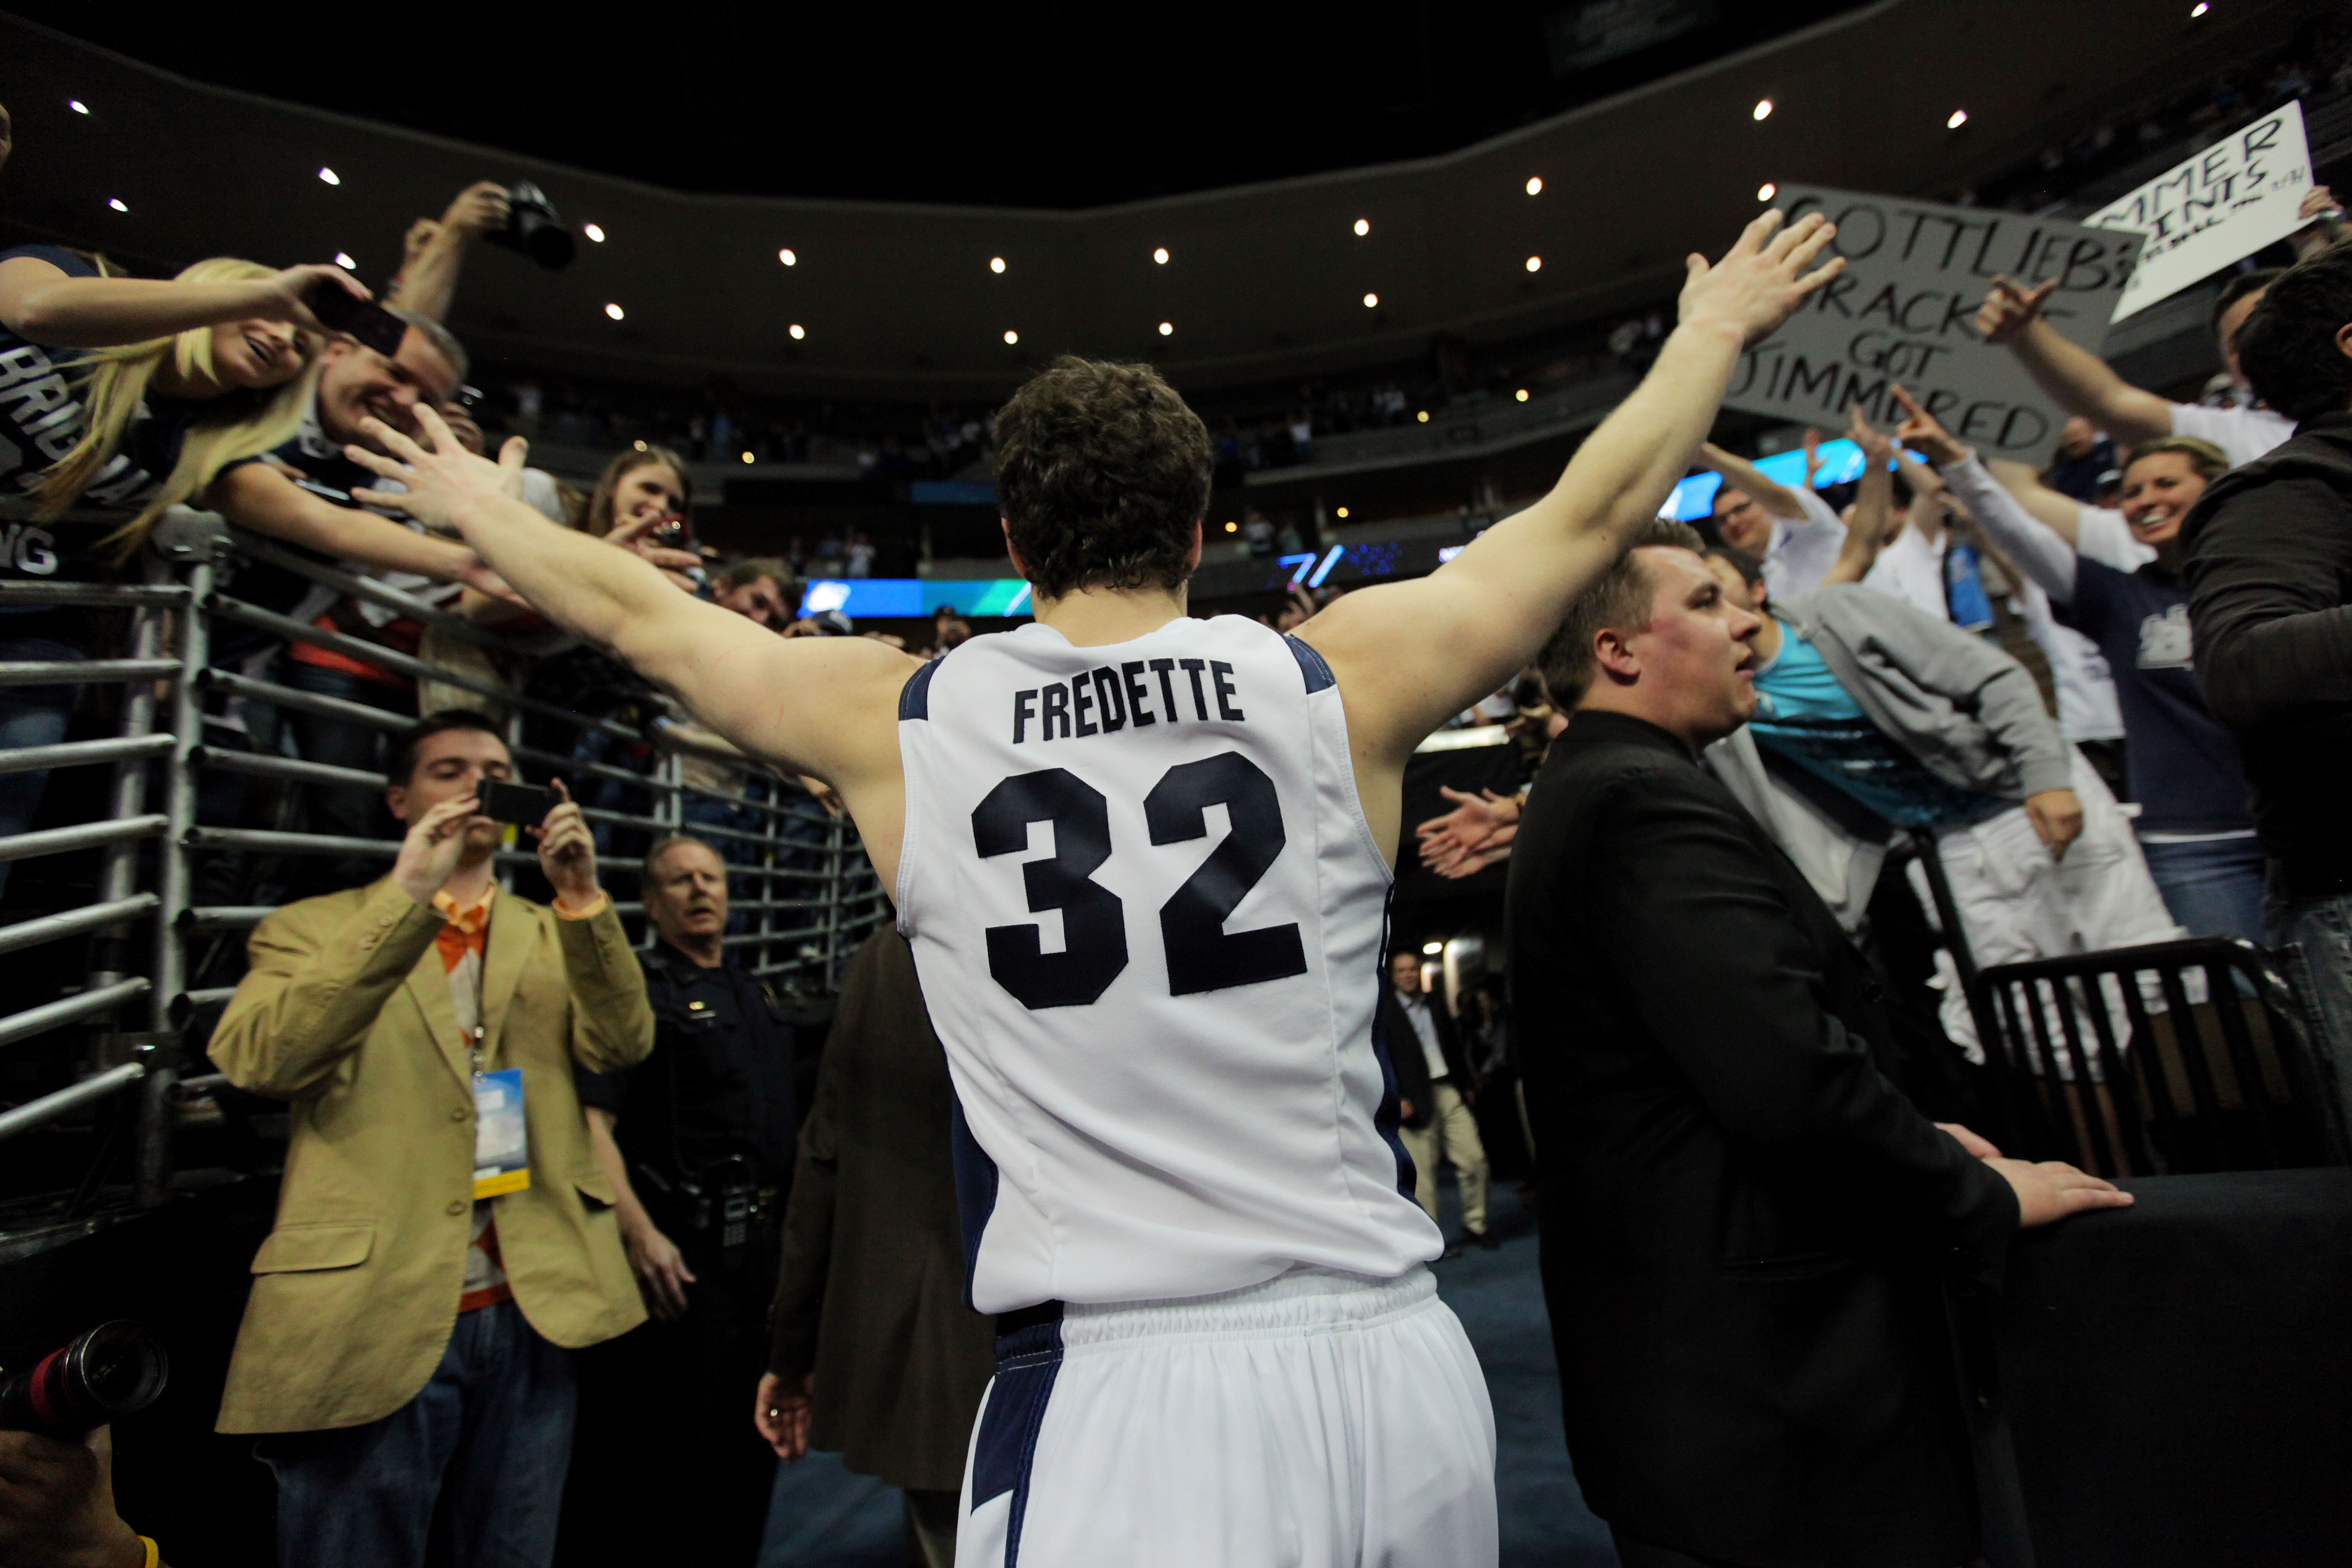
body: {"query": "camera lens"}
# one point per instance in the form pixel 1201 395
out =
pixel 113 1369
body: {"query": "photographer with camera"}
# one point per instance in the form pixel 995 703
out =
pixel 444 1237
pixel 698 1147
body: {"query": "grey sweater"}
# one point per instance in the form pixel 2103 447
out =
pixel 1968 711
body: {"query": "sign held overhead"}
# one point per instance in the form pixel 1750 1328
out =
pixel 2228 201
pixel 1904 311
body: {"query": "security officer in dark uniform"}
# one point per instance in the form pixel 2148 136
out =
pixel 697 1143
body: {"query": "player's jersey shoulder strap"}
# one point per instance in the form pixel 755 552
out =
pixel 915 696
pixel 1311 665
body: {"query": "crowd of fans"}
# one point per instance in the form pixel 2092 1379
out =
pixel 2013 667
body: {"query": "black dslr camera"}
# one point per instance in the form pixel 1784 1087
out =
pixel 533 228
pixel 115 1369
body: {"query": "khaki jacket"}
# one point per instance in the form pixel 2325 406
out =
pixel 346 1014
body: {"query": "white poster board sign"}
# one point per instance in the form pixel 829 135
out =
pixel 1904 311
pixel 2227 202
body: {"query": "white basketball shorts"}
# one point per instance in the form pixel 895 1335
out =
pixel 1319 1420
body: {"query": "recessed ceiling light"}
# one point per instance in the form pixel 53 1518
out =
pixel 1959 118
pixel 1232 528
pixel 1422 416
pixel 1763 108
pixel 1161 256
pixel 1363 225
pixel 1370 301
pixel 749 458
pixel 2200 10
pixel 996 263
pixel 797 331
pixel 788 258
pixel 1011 336
pixel 116 203
pixel 1433 947
pixel 1535 264
pixel 77 106
pixel 594 233
pixel 1535 185
pixel 343 260
pixel 614 311
pixel 327 176
pixel 1521 394
pixel 641 446
pixel 1343 511
pixel 1766 191
pixel 1166 328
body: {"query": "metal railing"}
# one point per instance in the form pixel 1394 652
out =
pixel 172 889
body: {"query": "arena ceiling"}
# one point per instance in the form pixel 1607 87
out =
pixel 1262 281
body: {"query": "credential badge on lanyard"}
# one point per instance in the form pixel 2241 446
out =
pixel 502 1143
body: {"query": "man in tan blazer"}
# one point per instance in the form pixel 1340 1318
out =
pixel 415 1308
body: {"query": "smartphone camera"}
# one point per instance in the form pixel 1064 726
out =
pixel 523 804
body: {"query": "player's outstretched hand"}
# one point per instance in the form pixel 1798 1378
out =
pixel 441 481
pixel 1761 281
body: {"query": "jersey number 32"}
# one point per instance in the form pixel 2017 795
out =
pixel 1202 954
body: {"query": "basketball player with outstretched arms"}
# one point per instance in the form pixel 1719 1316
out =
pixel 1144 862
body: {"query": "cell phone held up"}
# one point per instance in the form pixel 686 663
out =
pixel 524 804
pixel 340 310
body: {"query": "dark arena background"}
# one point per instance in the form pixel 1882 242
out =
pixel 1402 259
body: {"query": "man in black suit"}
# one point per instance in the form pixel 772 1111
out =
pixel 1747 1230
pixel 1437 1088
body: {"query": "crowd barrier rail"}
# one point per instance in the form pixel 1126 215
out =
pixel 159 953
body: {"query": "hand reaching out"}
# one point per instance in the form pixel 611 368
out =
pixel 1877 447
pixel 442 481
pixel 2009 307
pixel 480 206
pixel 673 563
pixel 1925 434
pixel 1761 279
pixel 1477 822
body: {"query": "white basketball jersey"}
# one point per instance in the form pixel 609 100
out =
pixel 1148 916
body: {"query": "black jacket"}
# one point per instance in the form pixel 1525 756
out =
pixel 2269 549
pixel 1411 1066
pixel 870 1294
pixel 1747 1229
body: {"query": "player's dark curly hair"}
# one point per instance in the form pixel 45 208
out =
pixel 1102 473
pixel 2287 347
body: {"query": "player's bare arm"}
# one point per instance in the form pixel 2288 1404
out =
pixel 1407 655
pixel 825 706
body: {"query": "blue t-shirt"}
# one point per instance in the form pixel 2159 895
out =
pixel 2184 767
pixel 1804 714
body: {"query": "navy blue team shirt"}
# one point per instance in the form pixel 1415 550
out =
pixel 2183 767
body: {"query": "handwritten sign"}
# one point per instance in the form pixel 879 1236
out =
pixel 1904 311
pixel 2227 202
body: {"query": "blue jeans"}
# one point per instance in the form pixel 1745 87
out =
pixel 489 1438
pixel 2320 964
pixel 30 716
pixel 2214 886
